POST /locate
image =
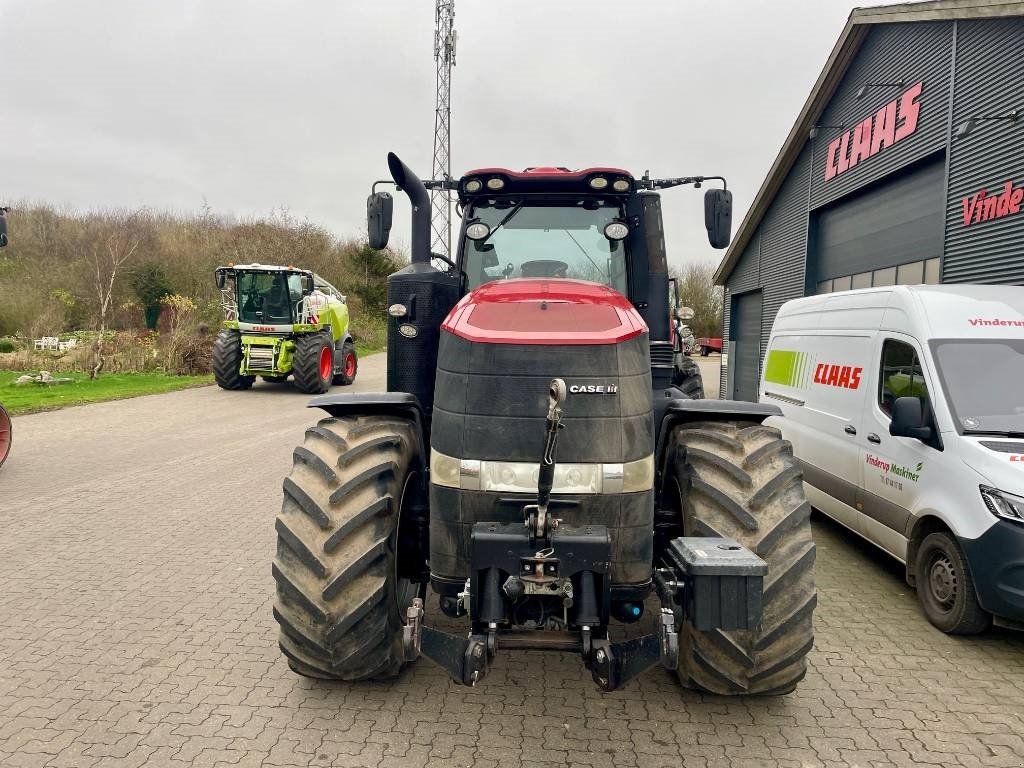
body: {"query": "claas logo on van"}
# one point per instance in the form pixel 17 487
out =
pixel 846 376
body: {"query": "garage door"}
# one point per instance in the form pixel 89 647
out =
pixel 896 223
pixel 745 345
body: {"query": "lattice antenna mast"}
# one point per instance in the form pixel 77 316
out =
pixel 444 56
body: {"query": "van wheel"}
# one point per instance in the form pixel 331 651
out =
pixel 945 587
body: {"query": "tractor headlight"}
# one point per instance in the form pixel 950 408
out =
pixel 444 470
pixel 620 185
pixel 1002 504
pixel 598 182
pixel 638 475
pixel 477 231
pixel 473 185
pixel 397 310
pixel 495 184
pixel 616 230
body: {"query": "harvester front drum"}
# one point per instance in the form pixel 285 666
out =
pixel 227 361
pixel 313 363
pixel 349 364
pixel 739 479
pixel 340 600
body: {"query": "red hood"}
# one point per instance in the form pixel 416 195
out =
pixel 544 311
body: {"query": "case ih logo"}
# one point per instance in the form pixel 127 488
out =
pixel 893 122
pixel 594 389
pixel 983 207
pixel 846 376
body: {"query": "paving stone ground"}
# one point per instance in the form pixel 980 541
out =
pixel 135 594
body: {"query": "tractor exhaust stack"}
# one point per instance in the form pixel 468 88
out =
pixel 409 182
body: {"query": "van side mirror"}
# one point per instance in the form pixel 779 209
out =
pixel 908 419
pixel 379 207
pixel 718 216
pixel 3 227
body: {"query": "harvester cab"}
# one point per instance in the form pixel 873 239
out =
pixel 534 463
pixel 281 322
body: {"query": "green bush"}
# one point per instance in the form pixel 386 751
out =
pixel 8 345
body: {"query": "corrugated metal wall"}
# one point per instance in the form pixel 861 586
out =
pixel 989 81
pixel 891 53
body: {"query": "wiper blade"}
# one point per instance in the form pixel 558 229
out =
pixel 995 432
pixel 502 223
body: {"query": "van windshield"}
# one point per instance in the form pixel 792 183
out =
pixel 983 380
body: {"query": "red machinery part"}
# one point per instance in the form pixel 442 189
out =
pixel 6 434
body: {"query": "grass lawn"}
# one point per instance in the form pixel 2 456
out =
pixel 109 386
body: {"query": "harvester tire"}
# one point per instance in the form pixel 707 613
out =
pixel 739 479
pixel 340 603
pixel 313 363
pixel 687 377
pixel 349 364
pixel 227 360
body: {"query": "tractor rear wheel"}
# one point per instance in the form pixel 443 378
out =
pixel 739 479
pixel 6 435
pixel 313 363
pixel 687 377
pixel 227 361
pixel 349 364
pixel 340 603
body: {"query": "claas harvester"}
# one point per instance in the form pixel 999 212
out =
pixel 534 466
pixel 281 322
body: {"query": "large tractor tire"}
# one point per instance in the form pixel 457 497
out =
pixel 687 377
pixel 349 364
pixel 340 603
pixel 739 479
pixel 313 363
pixel 6 435
pixel 227 360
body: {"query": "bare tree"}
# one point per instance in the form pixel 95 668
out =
pixel 110 245
pixel 697 289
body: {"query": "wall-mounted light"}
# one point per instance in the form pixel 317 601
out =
pixel 814 130
pixel 972 122
pixel 863 90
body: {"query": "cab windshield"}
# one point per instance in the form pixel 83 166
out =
pixel 546 240
pixel 981 378
pixel 268 297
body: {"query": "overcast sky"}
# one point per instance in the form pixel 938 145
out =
pixel 258 104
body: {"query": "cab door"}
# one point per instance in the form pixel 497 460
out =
pixel 892 468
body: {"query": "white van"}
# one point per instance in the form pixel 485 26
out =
pixel 905 406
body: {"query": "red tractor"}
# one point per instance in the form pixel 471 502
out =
pixel 533 464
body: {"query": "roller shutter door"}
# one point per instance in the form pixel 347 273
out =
pixel 895 223
pixel 745 345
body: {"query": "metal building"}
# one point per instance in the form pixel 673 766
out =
pixel 906 165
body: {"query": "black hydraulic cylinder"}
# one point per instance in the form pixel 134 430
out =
pixel 492 607
pixel 587 612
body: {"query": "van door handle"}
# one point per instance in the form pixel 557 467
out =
pixel 873 438
pixel 850 429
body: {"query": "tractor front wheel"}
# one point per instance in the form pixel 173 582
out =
pixel 349 365
pixel 227 361
pixel 313 363
pixel 739 479
pixel 340 602
pixel 687 377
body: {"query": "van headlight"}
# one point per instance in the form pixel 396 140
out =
pixel 1003 504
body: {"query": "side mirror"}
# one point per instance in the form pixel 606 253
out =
pixel 718 217
pixel 307 284
pixel 3 229
pixel 908 419
pixel 221 279
pixel 379 207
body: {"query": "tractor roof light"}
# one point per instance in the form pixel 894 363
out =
pixel 495 183
pixel 598 182
pixel 473 185
pixel 616 230
pixel 620 185
pixel 477 230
